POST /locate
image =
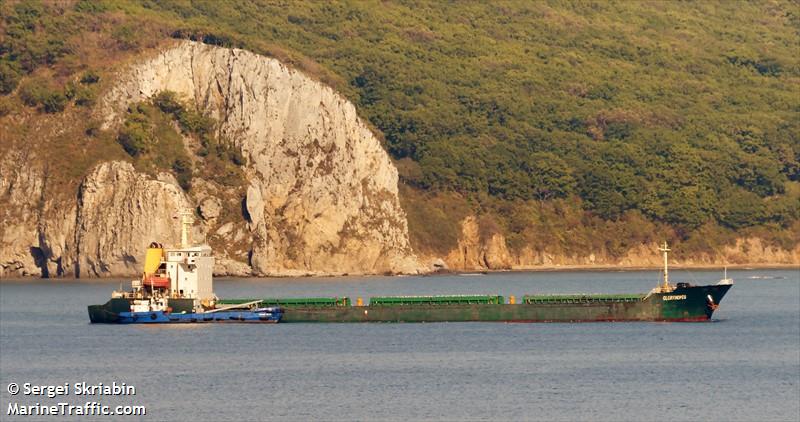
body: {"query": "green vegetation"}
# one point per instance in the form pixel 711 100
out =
pixel 434 220
pixel 149 136
pixel 683 118
pixel 31 40
pixel 38 93
pixel 5 106
pixel 90 77
pixel 80 93
pixel 46 96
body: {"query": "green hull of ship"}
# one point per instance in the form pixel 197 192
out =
pixel 694 307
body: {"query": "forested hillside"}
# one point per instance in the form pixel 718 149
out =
pixel 572 125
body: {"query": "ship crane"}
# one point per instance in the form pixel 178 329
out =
pixel 236 306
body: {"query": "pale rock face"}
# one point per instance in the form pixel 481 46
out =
pixel 467 254
pixel 496 253
pixel 225 229
pixel 752 249
pixel 438 264
pixel 323 193
pixel 57 238
pixel 117 213
pixel 31 244
pixel 230 267
pixel 21 189
pixel 120 211
pixel 474 254
pixel 210 208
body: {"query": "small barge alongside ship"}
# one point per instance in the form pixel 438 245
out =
pixel 176 287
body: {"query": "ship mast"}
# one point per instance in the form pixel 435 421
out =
pixel 186 225
pixel 665 285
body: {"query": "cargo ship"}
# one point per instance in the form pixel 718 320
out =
pixel 176 287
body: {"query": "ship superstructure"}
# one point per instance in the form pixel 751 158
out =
pixel 177 286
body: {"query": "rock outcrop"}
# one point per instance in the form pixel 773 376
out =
pixel 322 194
pixel 119 212
pixel 21 187
pixel 474 253
pixel 116 214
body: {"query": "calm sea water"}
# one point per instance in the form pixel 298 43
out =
pixel 743 366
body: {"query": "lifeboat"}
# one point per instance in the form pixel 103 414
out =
pixel 156 282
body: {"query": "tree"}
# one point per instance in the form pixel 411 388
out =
pixel 549 176
pixel 739 208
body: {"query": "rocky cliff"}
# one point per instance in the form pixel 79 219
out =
pixel 138 209
pixel 21 193
pixel 116 213
pixel 321 195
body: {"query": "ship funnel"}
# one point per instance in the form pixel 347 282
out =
pixel 152 258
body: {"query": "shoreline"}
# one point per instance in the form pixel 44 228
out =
pixel 483 271
pixel 556 268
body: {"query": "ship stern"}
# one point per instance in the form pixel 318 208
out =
pixel 108 313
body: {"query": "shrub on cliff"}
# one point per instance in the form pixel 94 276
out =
pixel 39 93
pixel 133 140
pixel 5 106
pixel 149 136
pixel 9 78
pixel 90 77
pixel 183 171
pixel 190 120
pixel 167 101
pixel 79 93
pixel 54 102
